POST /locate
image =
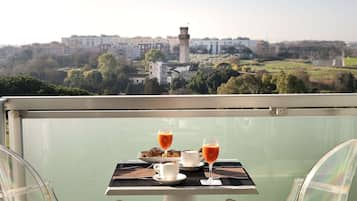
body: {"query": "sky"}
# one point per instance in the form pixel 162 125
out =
pixel 29 21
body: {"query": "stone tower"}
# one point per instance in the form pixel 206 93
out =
pixel 184 38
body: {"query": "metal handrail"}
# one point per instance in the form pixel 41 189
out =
pixel 181 102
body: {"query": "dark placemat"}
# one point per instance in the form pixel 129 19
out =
pixel 134 172
pixel 124 175
pixel 228 172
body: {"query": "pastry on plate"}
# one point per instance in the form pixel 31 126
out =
pixel 173 153
pixel 153 152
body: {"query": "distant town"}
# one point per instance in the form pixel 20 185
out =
pixel 111 64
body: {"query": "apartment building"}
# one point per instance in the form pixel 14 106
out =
pixel 133 48
pixel 217 46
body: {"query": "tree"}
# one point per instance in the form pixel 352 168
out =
pixel 74 78
pixel 107 65
pixel 295 85
pixel 290 84
pixel 268 85
pixel 198 83
pixel 93 80
pixel 154 55
pixel 245 84
pixel 235 62
pixel 344 82
pixel 229 87
pixel 302 75
pixel 115 79
pixel 134 89
pixel 178 83
pixel 152 87
pixel 281 82
pixel 39 67
pixel 122 82
pixel 219 76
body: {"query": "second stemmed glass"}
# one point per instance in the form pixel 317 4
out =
pixel 165 138
pixel 210 151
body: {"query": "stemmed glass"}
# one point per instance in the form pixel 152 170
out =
pixel 165 138
pixel 210 151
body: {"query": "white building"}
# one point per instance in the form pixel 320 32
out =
pixel 129 50
pixel 158 70
pixel 336 62
pixel 210 45
pixel 173 42
pixel 166 72
pixel 136 47
pixel 251 44
pixel 215 45
pixel 133 48
pixel 92 41
pixel 138 79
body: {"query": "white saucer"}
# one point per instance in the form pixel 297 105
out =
pixel 180 177
pixel 191 168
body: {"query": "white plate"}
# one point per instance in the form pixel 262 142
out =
pixel 180 177
pixel 191 168
pixel 159 159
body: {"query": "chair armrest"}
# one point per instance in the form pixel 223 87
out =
pixel 295 189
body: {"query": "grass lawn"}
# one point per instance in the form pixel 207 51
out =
pixel 351 61
pixel 316 73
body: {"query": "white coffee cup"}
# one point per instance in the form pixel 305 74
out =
pixel 167 171
pixel 190 158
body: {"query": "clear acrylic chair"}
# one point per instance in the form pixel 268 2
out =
pixel 331 177
pixel 19 181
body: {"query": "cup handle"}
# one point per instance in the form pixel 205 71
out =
pixel 157 168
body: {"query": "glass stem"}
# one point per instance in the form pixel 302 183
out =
pixel 210 175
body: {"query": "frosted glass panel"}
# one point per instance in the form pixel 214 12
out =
pixel 78 156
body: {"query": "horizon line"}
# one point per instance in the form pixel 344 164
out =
pixel 153 37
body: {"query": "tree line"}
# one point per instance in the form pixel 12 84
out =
pixel 229 81
pixel 107 74
pixel 23 85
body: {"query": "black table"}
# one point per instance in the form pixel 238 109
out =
pixel 185 190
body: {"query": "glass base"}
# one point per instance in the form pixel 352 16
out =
pixel 211 182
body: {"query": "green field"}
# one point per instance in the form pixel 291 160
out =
pixel 206 60
pixel 316 73
pixel 351 61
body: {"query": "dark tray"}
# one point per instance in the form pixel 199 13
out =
pixel 193 178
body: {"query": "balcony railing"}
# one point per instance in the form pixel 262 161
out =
pixel 74 142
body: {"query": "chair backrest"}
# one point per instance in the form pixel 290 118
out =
pixel 330 179
pixel 19 181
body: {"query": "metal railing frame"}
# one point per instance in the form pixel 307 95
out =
pixel 14 109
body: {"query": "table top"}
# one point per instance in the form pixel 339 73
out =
pixel 127 185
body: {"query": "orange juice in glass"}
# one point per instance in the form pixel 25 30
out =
pixel 165 139
pixel 210 151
